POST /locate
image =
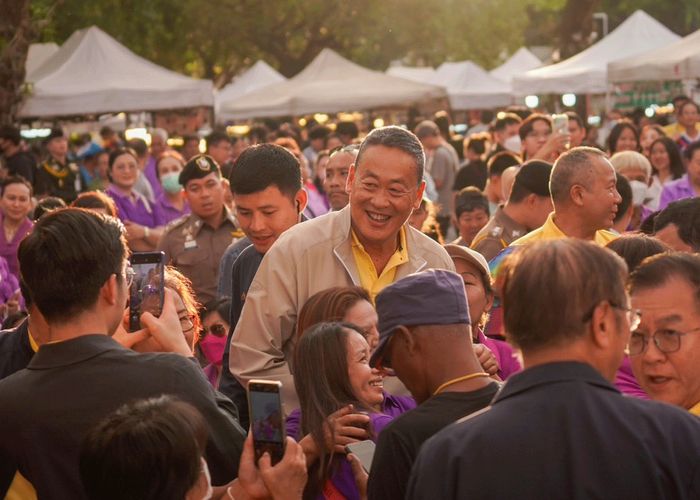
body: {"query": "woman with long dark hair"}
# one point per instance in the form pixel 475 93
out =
pixel 667 166
pixel 624 136
pixel 342 400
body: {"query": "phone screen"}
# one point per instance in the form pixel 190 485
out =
pixel 146 292
pixel 267 419
pixel 364 450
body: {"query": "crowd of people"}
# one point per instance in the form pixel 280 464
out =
pixel 510 313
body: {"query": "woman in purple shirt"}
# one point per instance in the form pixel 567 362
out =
pixel 474 270
pixel 140 219
pixel 344 405
pixel 170 203
pixel 15 204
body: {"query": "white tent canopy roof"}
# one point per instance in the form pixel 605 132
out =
pixel 523 60
pixel 37 55
pixel 677 61
pixel 93 73
pixel 470 87
pixel 586 72
pixel 413 73
pixel 331 83
pixel 258 76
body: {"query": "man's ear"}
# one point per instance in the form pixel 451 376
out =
pixel 301 199
pixel 351 178
pixel 576 194
pixel 404 337
pixel 603 325
pixel 419 195
pixel 110 290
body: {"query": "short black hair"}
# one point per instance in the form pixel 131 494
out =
pixel 11 134
pixel 690 150
pixel 149 449
pixel 529 123
pixel 505 119
pixel 46 205
pixel 318 132
pixel 574 117
pixel 264 165
pixel 501 161
pixel 16 179
pixel 477 143
pixel 634 248
pixel 221 305
pixel 616 132
pixel 216 137
pixel 96 200
pixel 470 199
pixel 660 269
pixel 623 187
pixel 61 243
pixel 685 215
pixel 136 146
pixel 347 128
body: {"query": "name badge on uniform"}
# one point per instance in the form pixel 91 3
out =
pixel 190 244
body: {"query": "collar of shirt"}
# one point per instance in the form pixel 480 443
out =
pixel 76 350
pixel 196 223
pixel 553 373
pixel 22 230
pixel 369 279
pixel 550 231
pixel 695 410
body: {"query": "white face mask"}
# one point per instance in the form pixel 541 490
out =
pixel 639 192
pixel 513 144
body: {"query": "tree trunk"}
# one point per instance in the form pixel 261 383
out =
pixel 16 33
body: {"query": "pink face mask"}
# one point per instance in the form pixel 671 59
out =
pixel 213 348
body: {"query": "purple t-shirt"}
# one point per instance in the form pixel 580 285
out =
pixel 503 352
pixel 676 190
pixel 166 212
pixel 150 172
pixel 9 284
pixel 8 249
pixel 134 208
pixel 342 477
pixel 626 382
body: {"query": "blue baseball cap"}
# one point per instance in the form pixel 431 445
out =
pixel 433 297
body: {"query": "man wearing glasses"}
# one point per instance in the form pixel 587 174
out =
pixel 665 349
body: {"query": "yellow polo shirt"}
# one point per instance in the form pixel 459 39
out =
pixel 695 410
pixel 369 279
pixel 674 130
pixel 550 231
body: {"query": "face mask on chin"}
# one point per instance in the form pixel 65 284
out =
pixel 513 144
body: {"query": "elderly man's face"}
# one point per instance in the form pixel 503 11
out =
pixel 384 189
pixel 600 198
pixel 672 377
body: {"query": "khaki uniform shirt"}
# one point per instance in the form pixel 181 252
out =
pixel 497 234
pixel 195 249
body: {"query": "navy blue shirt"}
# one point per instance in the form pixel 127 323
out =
pixel 15 350
pixel 561 430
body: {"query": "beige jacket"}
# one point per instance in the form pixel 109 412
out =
pixel 306 259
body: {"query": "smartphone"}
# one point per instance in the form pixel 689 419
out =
pixel 560 125
pixel 364 451
pixel 266 418
pixel 146 293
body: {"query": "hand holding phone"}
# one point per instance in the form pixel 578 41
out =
pixel 266 419
pixel 364 451
pixel 146 291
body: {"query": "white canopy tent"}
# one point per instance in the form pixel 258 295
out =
pixel 330 84
pixel 93 73
pixel 258 76
pixel 413 73
pixel 677 61
pixel 586 72
pixel 36 56
pixel 470 87
pixel 523 60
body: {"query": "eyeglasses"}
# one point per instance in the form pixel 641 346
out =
pixel 633 315
pixel 129 274
pixel 666 340
pixel 186 322
pixel 217 329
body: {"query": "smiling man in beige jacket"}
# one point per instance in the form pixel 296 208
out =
pixel 366 244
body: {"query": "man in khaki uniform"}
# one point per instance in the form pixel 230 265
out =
pixel 527 208
pixel 195 243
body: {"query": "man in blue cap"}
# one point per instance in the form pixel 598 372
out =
pixel 425 337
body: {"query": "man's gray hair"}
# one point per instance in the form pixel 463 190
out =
pixel 399 138
pixel 572 167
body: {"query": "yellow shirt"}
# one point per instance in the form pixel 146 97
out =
pixel 675 130
pixel 550 231
pixel 695 410
pixel 369 279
